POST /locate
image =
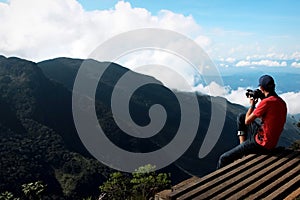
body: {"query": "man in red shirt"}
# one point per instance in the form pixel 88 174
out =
pixel 255 137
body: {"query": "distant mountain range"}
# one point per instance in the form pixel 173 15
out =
pixel 287 78
pixel 39 140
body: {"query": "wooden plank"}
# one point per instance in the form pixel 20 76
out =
pixel 244 179
pixel 219 183
pixel 285 187
pixel 247 178
pixel 163 195
pixel 293 195
pixel 184 183
pixel 267 174
pixel 198 182
pixel 223 183
pixel 275 184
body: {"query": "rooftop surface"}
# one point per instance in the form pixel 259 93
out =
pixel 272 176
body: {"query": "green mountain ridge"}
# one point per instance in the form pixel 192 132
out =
pixel 39 140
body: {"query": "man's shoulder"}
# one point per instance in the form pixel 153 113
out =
pixel 279 99
pixel 273 101
pixel 276 101
pixel 273 98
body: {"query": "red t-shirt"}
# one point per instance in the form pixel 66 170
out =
pixel 272 110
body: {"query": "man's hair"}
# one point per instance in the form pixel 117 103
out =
pixel 270 88
pixel 267 83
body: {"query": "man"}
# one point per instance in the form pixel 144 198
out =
pixel 255 137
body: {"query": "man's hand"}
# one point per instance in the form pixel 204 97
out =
pixel 253 102
pixel 250 117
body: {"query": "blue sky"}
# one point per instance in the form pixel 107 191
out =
pixel 228 29
pixel 259 35
pixel 276 17
pixel 271 24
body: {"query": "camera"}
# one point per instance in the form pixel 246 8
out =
pixel 255 94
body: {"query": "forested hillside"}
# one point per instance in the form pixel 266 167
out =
pixel 39 141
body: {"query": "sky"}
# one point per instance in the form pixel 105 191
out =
pixel 271 26
pixel 229 29
pixel 234 34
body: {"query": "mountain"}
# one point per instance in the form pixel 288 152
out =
pixel 189 162
pixel 286 79
pixel 39 140
pixel 145 97
pixel 38 137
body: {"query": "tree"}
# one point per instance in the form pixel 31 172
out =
pixel 296 145
pixel 8 196
pixel 146 182
pixel 116 187
pixel 141 185
pixel 33 190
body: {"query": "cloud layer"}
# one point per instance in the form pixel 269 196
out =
pixel 295 64
pixel 37 29
pixel 267 63
pixel 238 96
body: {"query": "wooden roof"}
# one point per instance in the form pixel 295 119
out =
pixel 272 176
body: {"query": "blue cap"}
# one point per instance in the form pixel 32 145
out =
pixel 267 82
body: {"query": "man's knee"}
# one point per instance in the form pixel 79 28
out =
pixel 241 126
pixel 223 161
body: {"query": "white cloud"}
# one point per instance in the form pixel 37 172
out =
pixel 169 77
pixel 295 64
pixel 291 99
pixel 170 69
pixel 230 60
pixel 213 89
pixel 238 96
pixel 267 63
pixel 235 96
pixel 243 63
pixel 275 56
pixel 223 65
pixel 296 55
pixel 203 41
pixel 32 28
pixel 38 30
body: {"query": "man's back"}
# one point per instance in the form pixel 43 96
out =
pixel 272 110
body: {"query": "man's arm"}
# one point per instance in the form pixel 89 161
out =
pixel 250 117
